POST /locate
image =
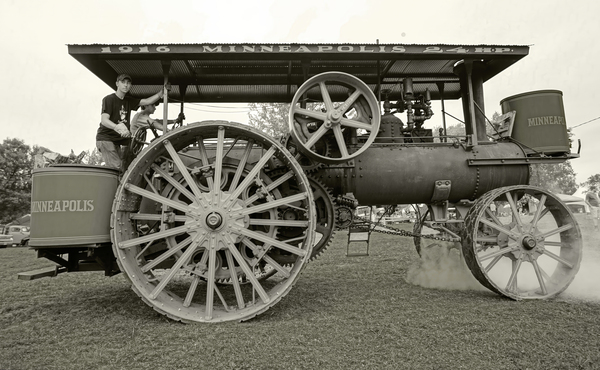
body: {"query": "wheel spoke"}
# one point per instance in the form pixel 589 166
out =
pixel 205 162
pixel 218 164
pixel 549 243
pixel 501 252
pixel 311 113
pixel 163 257
pixel 285 223
pixel 250 177
pixel 339 138
pixel 274 242
pixel 210 278
pixel 241 165
pixel 191 291
pixel 183 170
pixel 260 253
pixel 194 285
pixel 249 274
pixel 235 280
pixel 154 236
pixel 539 273
pixel 155 217
pixel 271 186
pixel 557 258
pixel 356 124
pixel 316 136
pixel 538 211
pixel 157 198
pixel 277 266
pixel 515 210
pixel 493 263
pixel 492 216
pixel 185 257
pixel 556 231
pixel 350 101
pixel 325 96
pixel 176 184
pixel 512 282
pixel 499 228
pixel 273 204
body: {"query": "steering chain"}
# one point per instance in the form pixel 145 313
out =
pixel 394 231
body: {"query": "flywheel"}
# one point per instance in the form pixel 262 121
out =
pixel 334 106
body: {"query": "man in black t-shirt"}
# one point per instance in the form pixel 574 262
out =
pixel 112 137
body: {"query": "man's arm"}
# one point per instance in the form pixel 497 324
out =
pixel 153 99
pixel 157 123
pixel 121 129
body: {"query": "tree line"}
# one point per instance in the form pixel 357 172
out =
pixel 16 166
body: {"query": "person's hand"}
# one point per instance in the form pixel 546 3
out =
pixel 122 130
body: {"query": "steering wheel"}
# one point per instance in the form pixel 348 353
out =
pixel 138 140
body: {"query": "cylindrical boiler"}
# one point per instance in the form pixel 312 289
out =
pixel 407 174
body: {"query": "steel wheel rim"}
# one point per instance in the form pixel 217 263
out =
pixel 522 256
pixel 214 226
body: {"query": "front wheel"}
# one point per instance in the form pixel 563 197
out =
pixel 522 242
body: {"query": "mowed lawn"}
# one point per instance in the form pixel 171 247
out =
pixel 344 313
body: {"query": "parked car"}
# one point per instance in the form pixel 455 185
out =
pixel 576 205
pixel 5 240
pixel 19 233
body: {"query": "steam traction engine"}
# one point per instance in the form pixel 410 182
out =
pixel 214 221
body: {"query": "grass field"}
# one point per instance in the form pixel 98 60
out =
pixel 344 313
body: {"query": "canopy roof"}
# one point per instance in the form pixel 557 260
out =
pixel 273 72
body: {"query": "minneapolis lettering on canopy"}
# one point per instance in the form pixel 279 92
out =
pixel 70 205
pixel 300 48
pixel 306 48
pixel 547 120
pixel 341 49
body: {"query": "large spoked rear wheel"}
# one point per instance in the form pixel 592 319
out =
pixel 522 242
pixel 201 206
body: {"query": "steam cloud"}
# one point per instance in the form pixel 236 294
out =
pixel 442 267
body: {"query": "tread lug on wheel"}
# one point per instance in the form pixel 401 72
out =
pixel 522 242
pixel 201 206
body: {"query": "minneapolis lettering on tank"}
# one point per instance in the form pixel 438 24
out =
pixel 70 205
pixel 547 120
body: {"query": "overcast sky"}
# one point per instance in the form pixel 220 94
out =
pixel 49 99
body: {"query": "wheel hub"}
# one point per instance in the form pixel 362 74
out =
pixel 214 220
pixel 335 116
pixel 528 242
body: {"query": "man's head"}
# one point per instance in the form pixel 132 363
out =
pixel 124 76
pixel 150 108
pixel 123 83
